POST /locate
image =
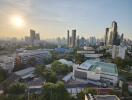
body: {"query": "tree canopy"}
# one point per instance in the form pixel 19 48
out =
pixel 60 68
pixel 49 75
pixel 3 75
pixel 56 91
pixel 17 88
pixel 79 58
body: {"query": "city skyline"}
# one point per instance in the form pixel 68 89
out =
pixel 53 19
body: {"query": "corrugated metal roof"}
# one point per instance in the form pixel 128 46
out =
pixel 24 71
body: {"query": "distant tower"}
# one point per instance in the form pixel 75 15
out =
pixel 73 38
pixel 113 37
pixel 32 35
pixel 114 33
pixel 37 36
pixel 114 26
pixel 121 39
pixel 68 38
pixel 106 36
pixel 77 41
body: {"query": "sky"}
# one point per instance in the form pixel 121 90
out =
pixel 52 18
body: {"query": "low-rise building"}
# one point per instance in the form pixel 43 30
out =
pixel 7 63
pixel 25 73
pixel 36 85
pixel 63 50
pixel 96 71
pixel 64 61
pixel 39 56
pixel 89 53
pixel 101 97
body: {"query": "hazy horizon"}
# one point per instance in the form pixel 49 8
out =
pixel 53 18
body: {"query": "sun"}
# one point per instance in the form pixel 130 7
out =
pixel 17 21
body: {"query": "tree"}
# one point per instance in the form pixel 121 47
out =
pixel 119 62
pixel 90 90
pixel 32 61
pixel 60 68
pixel 81 96
pixel 17 88
pixel 49 75
pixel 12 97
pixel 40 69
pixel 3 75
pixel 79 58
pixel 56 91
pixel 106 55
pixel 125 89
pixel 47 61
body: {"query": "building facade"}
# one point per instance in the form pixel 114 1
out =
pixel 119 51
pixel 96 71
pixel 39 56
pixel 7 63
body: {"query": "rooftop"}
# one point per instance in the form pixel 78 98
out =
pixel 25 71
pixel 101 97
pixel 106 97
pixel 64 61
pixel 94 65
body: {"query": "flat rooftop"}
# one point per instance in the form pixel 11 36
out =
pixel 106 97
pixel 93 65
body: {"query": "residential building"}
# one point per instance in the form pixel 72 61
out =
pixel 89 53
pixel 92 41
pixel 73 38
pixel 7 63
pixel 25 56
pixel 106 36
pixel 119 51
pixel 68 38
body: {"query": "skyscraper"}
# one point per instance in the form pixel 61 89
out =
pixel 37 36
pixel 73 38
pixel 114 33
pixel 114 37
pixel 121 39
pixel 32 35
pixel 68 38
pixel 106 36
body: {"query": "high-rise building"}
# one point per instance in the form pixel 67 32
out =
pixel 68 38
pixel 119 51
pixel 77 42
pixel 114 38
pixel 82 42
pixel 121 39
pixel 92 41
pixel 32 35
pixel 115 33
pixel 70 43
pixel 73 38
pixel 37 36
pixel 106 36
pixel 110 38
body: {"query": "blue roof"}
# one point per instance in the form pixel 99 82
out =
pixel 63 50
